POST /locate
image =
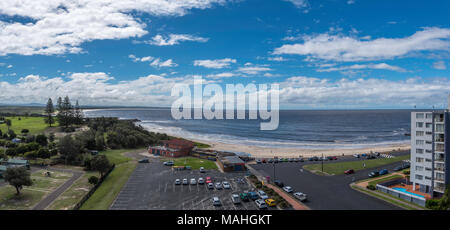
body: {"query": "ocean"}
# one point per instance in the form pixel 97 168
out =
pixel 311 129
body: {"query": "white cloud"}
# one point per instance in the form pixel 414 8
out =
pixel 304 91
pixel 279 59
pixel 252 70
pixel 174 39
pixel 60 26
pixel 9 66
pixel 155 62
pixel 351 2
pixel 221 75
pixel 299 3
pixel 160 63
pixel 215 64
pixel 342 48
pixel 382 66
pixel 440 65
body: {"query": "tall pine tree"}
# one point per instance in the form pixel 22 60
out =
pixel 78 114
pixel 49 110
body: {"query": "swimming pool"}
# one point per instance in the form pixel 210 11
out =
pixel 406 191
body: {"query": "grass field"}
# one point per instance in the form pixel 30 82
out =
pixel 34 124
pixel 390 199
pixel 31 195
pixel 194 162
pixel 339 168
pixel 74 194
pixel 105 195
pixel 22 110
pixel 381 180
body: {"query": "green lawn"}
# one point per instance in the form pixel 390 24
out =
pixel 384 179
pixel 105 195
pixel 194 162
pixel 31 195
pixel 22 110
pixel 34 124
pixel 339 168
pixel 116 156
pixel 74 194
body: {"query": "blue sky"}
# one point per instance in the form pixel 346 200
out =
pixel 324 54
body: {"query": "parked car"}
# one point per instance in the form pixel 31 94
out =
pixel 301 159
pixel 185 181
pixel 258 161
pixel 244 196
pixel 145 160
pixel 276 160
pixel 374 174
pixel 311 159
pixel 261 204
pixel 270 160
pixel 210 186
pixel 226 185
pixel 216 201
pixel 253 195
pixel 356 155
pixel 262 195
pixel 201 181
pixel 177 182
pixel 383 172
pixel 279 183
pixel 291 160
pixel 218 185
pixel 202 170
pixel 270 202
pixel 193 181
pixel 208 180
pixel 315 158
pixel 371 157
pixel 168 163
pixel 300 196
pixel 406 166
pixel 263 160
pixel 398 168
pixel 288 189
pixel 235 198
pixel 349 171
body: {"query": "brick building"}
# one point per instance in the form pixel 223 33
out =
pixel 172 148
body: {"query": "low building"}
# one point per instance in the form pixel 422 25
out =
pixel 231 163
pixel 172 148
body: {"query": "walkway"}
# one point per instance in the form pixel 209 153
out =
pixel 43 204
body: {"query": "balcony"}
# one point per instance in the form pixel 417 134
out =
pixel 439 188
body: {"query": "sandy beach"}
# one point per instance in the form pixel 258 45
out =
pixel 256 151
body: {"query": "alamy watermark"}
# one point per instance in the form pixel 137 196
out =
pixel 208 101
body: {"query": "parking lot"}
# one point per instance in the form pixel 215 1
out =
pixel 327 192
pixel 152 187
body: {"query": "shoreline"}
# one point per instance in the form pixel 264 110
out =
pixel 260 152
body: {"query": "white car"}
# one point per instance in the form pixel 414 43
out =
pixel 235 198
pixel 201 181
pixel 218 185
pixel 216 201
pixel 288 189
pixel 185 181
pixel 177 182
pixel 261 204
pixel 226 185
pixel 193 181
pixel 210 186
pixel 300 196
pixel 262 195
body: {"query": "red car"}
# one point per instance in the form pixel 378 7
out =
pixel 208 180
pixel 349 171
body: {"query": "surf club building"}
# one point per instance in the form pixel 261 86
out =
pixel 430 151
pixel 172 148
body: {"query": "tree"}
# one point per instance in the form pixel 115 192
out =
pixel 8 123
pixel 24 132
pixel 78 116
pixel 65 112
pixel 3 154
pixel 49 110
pixel 100 163
pixel 18 177
pixel 69 148
pixel 41 139
pixel 93 180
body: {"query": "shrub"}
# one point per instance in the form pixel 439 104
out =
pixel 93 180
pixel 371 187
pixel 432 204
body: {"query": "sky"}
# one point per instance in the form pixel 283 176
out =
pixel 324 54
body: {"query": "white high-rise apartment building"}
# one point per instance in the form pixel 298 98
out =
pixel 430 151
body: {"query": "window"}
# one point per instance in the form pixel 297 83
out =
pixel 428 125
pixel 419 115
pixel 420 142
pixel 419 177
pixel 419 159
pixel 429 115
pixel 427 178
pixel 440 128
pixel 429 133
pixel 419 124
pixel 419 168
pixel 427 160
pixel 428 151
pixel 419 133
pixel 419 150
pixel 427 169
